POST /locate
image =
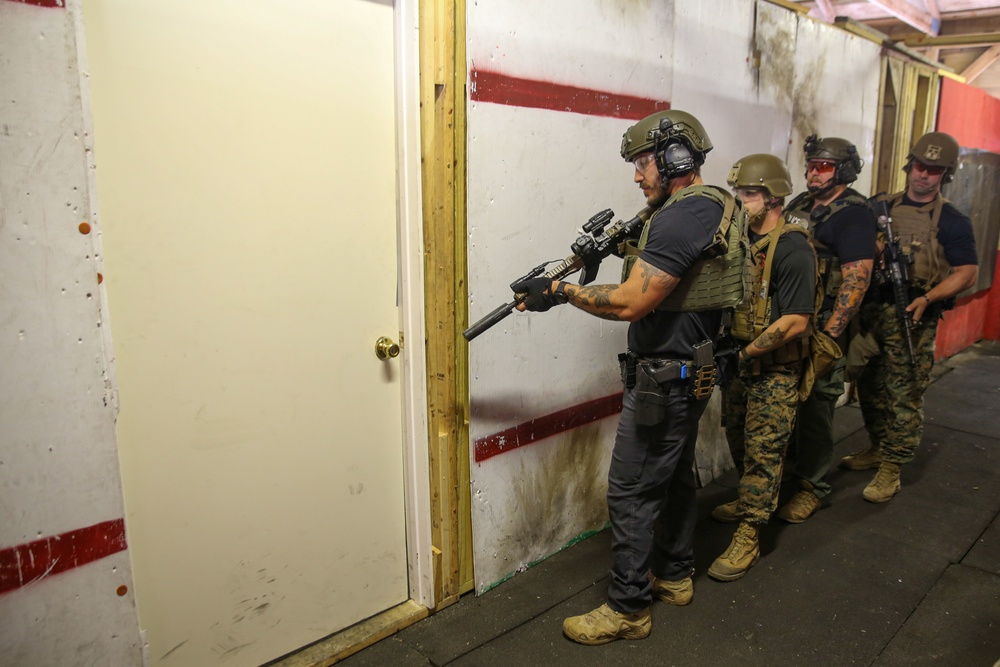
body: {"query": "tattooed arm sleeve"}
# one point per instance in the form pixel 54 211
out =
pixel 857 275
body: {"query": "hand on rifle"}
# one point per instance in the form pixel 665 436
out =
pixel 917 307
pixel 540 295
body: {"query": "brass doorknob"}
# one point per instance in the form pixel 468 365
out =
pixel 385 348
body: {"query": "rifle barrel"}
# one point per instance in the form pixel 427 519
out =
pixel 490 320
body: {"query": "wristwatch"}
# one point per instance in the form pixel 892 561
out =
pixel 560 293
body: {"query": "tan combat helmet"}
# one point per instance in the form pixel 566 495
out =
pixel 761 170
pixel 936 149
pixel 676 138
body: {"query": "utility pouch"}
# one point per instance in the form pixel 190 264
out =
pixel 626 362
pixel 703 380
pixel 650 399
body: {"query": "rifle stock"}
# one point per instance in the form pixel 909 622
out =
pixel 589 250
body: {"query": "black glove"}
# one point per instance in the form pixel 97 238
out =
pixel 539 297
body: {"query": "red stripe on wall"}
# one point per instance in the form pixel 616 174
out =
pixel 27 563
pixel 60 4
pixel 544 427
pixel 500 88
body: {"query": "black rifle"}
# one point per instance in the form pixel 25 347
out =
pixel 897 273
pixel 590 248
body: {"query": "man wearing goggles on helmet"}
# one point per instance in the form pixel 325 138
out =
pixel 940 247
pixel 843 233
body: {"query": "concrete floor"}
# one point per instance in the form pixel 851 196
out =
pixel 915 581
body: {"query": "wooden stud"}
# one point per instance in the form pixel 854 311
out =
pixel 443 132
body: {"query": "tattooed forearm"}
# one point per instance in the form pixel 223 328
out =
pixel 597 296
pixel 857 275
pixel 769 339
pixel 595 299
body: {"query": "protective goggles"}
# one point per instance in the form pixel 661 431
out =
pixel 643 161
pixel 929 169
pixel 821 167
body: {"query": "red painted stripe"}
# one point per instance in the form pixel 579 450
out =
pixel 60 4
pixel 27 563
pixel 513 91
pixel 543 427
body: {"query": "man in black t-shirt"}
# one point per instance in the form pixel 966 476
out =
pixel 651 483
pixel 843 233
pixel 940 245
pixel 772 327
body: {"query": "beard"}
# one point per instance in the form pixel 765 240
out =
pixel 819 189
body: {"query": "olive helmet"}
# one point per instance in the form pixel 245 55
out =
pixel 936 149
pixel 761 170
pixel 676 138
pixel 841 151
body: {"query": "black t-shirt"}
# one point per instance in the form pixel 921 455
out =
pixel 793 275
pixel 955 234
pixel 850 234
pixel 677 237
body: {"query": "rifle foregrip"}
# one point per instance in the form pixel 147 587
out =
pixel 490 320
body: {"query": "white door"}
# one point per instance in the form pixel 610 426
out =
pixel 246 172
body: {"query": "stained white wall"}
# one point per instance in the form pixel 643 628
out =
pixel 58 461
pixel 760 79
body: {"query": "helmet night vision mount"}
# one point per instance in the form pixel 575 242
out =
pixel 841 151
pixel 676 138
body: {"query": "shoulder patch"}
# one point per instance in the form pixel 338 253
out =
pixel 798 221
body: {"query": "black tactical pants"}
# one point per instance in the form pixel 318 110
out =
pixel 651 498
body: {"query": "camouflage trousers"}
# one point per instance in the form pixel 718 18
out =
pixel 890 389
pixel 758 415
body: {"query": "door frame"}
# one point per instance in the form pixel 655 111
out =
pixel 410 248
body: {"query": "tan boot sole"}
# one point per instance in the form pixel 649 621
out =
pixel 883 499
pixel 732 576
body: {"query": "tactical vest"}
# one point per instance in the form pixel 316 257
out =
pixel 915 228
pixel 753 316
pixel 718 279
pixel 801 208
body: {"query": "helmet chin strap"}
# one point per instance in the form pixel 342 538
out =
pixel 758 217
pixel 824 190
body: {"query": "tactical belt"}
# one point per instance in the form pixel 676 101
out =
pixel 663 370
pixel 700 371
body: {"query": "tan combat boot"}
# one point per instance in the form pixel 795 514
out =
pixel 679 593
pixel 726 513
pixel 604 625
pixel 866 460
pixel 742 553
pixel 885 485
pixel 801 506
